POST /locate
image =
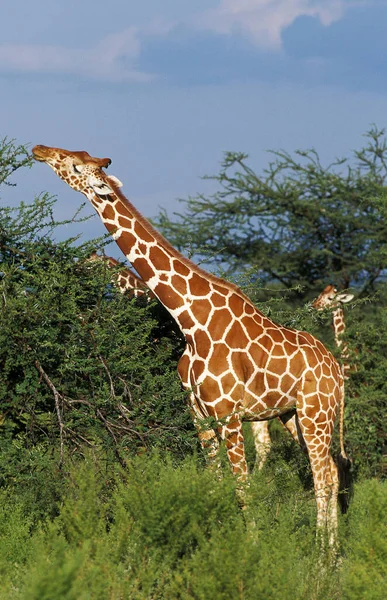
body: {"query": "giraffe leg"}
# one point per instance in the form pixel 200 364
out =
pixel 262 442
pixel 332 504
pixel 207 437
pixel 232 433
pixel 317 440
pixel 293 427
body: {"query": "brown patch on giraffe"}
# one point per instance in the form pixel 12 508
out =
pixel 266 342
pixel 242 365
pixel 277 365
pixel 340 328
pixel 217 300
pixel 218 362
pixel 164 277
pixel 326 370
pixel 276 335
pixel 129 238
pixel 180 268
pixel 202 343
pixel 123 210
pixel 168 297
pixel 183 368
pixel 198 367
pixel 252 327
pixel 224 408
pixel 218 323
pixel 123 222
pixel 185 320
pixel 198 285
pixel 201 310
pixel 236 304
pixel 320 417
pixel 109 213
pixel 143 268
pixel 161 260
pixel 143 233
pixel 222 290
pixel 228 383
pixel 311 357
pixel 180 284
pixel 236 337
pixel 249 309
pixel 273 381
pixel 257 387
pixel 297 365
pixel 288 385
pixel 291 336
pixel 289 347
pixel 259 356
pixel 142 247
pixel 210 390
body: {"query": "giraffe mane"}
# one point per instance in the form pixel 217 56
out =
pixel 168 246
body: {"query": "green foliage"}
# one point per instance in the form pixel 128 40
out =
pixel 96 499
pixel 162 530
pixel 297 224
pixel 365 574
pixel 81 365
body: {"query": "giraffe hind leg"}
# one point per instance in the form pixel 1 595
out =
pixel 317 437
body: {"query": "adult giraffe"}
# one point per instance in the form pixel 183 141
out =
pixel 128 282
pixel 238 364
pixel 330 298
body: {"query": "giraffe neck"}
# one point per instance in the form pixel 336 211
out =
pixel 339 329
pixel 176 281
pixel 338 326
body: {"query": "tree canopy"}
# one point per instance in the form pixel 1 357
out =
pixel 298 223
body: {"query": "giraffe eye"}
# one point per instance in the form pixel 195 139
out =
pixel 78 168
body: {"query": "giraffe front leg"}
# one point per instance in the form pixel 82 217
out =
pixel 232 433
pixel 207 437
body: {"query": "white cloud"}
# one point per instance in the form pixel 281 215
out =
pixel 264 20
pixel 113 59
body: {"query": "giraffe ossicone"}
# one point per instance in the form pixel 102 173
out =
pixel 238 364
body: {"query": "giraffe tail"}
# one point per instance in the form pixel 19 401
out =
pixel 344 464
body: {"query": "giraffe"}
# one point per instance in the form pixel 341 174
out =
pixel 126 280
pixel 238 364
pixel 330 297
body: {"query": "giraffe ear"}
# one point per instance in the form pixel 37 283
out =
pixel 343 298
pixel 115 180
pixel 99 187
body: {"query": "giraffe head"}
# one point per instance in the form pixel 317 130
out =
pixel 82 172
pixel 329 297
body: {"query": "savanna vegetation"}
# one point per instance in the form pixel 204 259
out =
pixel 104 491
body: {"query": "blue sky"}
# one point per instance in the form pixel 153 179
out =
pixel 164 88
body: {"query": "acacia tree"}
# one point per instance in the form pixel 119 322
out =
pixel 297 224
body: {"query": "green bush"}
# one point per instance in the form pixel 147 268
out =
pixel 160 529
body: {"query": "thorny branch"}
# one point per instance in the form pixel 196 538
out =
pixel 57 397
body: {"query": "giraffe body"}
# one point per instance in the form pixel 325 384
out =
pixel 238 364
